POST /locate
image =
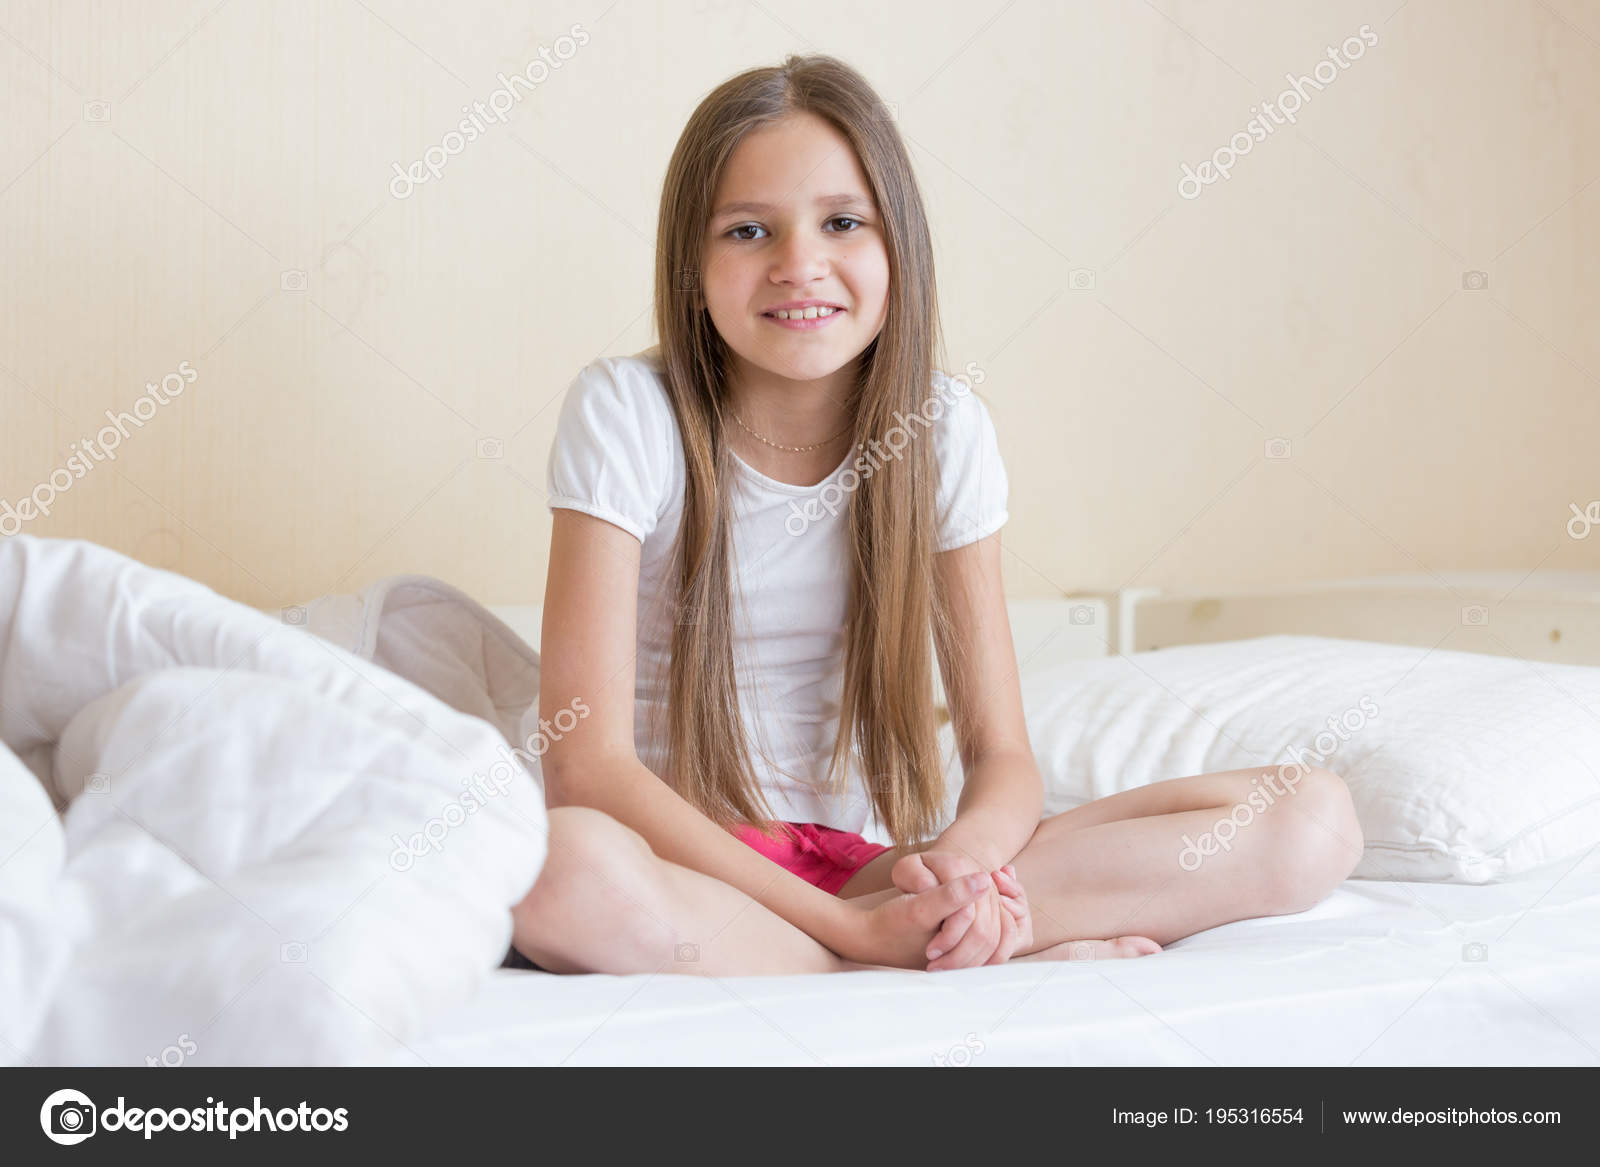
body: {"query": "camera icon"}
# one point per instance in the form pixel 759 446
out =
pixel 97 111
pixel 687 613
pixel 99 783
pixel 688 279
pixel 1081 279
pixel 294 615
pixel 1082 614
pixel 892 109
pixel 292 952
pixel 293 280
pixel 1475 615
pixel 1277 449
pixel 1475 952
pixel 70 1121
pixel 1082 950
pixel 490 449
pixel 1474 281
pixel 684 953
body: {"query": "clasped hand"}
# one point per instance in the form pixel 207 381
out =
pixel 986 931
pixel 949 913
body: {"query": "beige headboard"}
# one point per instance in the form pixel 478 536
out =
pixel 1546 616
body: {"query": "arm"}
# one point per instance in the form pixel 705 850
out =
pixel 588 650
pixel 1002 797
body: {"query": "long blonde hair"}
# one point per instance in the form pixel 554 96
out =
pixel 887 707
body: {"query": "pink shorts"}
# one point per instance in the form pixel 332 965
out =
pixel 822 856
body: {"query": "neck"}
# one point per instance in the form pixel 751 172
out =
pixel 794 413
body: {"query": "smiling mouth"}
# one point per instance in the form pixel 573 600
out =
pixel 813 313
pixel 812 319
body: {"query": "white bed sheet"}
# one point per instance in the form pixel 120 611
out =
pixel 1377 974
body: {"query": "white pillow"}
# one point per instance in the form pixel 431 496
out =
pixel 1464 767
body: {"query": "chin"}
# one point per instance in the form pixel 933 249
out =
pixel 799 364
pixel 809 371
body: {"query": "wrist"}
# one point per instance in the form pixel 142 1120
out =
pixel 973 846
pixel 843 927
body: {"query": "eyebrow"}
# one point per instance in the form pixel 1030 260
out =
pixel 834 200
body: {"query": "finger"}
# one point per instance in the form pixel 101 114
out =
pixel 1002 948
pixel 1020 935
pixel 977 945
pixel 1008 940
pixel 946 867
pixel 911 874
pixel 974 948
pixel 965 932
pixel 932 906
pixel 1009 886
pixel 950 933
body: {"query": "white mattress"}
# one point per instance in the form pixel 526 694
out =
pixel 1378 974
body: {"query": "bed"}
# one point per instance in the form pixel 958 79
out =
pixel 225 831
pixel 1378 974
pixel 1395 970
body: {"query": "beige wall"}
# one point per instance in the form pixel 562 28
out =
pixel 332 434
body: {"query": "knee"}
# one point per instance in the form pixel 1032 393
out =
pixel 593 893
pixel 585 839
pixel 588 849
pixel 1317 841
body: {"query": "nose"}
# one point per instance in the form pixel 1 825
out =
pixel 799 259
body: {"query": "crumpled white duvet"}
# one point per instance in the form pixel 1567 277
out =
pixel 235 876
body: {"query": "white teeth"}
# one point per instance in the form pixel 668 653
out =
pixel 803 313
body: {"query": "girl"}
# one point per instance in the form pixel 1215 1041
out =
pixel 765 531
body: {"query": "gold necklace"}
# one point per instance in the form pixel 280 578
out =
pixel 780 445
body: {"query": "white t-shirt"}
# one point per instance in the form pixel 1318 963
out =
pixel 617 456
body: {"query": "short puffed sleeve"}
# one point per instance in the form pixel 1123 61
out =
pixel 972 476
pixel 612 456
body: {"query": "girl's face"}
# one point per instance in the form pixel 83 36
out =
pixel 793 226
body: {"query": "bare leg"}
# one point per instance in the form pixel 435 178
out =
pixel 1123 864
pixel 605 902
pixel 1108 879
pixel 1115 949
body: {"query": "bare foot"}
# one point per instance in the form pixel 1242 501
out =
pixel 1118 948
pixel 854 966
